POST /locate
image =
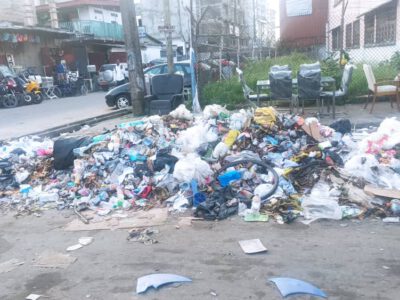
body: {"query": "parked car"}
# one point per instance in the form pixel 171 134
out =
pixel 120 95
pixel 106 75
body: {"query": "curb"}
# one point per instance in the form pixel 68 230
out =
pixel 56 131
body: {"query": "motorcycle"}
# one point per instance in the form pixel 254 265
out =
pixel 32 89
pixel 74 85
pixel 7 96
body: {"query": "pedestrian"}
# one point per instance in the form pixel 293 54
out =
pixel 119 74
pixel 60 70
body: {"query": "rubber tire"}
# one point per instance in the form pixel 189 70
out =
pixel 57 92
pixel 122 99
pixel 37 98
pixel 9 101
pixel 260 163
pixel 27 99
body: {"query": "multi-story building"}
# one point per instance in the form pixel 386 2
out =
pixel 260 23
pixel 223 24
pixel 371 30
pixel 303 23
pixel 22 42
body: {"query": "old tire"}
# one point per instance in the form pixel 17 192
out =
pixel 37 98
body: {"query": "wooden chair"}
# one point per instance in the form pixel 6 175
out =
pixel 380 89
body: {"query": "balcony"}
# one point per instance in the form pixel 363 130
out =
pixel 96 29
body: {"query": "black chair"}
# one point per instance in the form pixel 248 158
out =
pixel 281 86
pixel 309 83
pixel 166 94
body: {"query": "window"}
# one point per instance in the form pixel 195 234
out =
pixel 349 37
pixel 353 35
pixel 337 41
pixel 356 34
pixel 380 27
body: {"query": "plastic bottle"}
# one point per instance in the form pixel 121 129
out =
pixel 226 178
pixel 255 204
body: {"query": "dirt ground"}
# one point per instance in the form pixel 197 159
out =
pixel 347 259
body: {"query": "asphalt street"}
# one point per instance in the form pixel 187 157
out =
pixel 29 119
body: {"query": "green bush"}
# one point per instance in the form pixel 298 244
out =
pixel 230 93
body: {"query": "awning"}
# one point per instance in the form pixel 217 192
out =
pixel 373 6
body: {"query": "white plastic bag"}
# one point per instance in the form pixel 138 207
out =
pixel 192 167
pixel 213 110
pixel 191 139
pixel 321 203
pixel 181 112
pixel 220 150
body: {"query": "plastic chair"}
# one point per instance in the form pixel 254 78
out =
pixel 344 85
pixel 379 89
pixel 247 91
pixel 281 86
pixel 309 83
pixel 167 94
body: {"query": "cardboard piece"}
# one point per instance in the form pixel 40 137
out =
pixel 10 265
pixel 387 193
pixel 138 219
pixel 312 129
pixel 252 246
pixel 52 259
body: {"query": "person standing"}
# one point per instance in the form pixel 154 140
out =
pixel 119 74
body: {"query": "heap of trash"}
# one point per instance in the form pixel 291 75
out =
pixel 258 164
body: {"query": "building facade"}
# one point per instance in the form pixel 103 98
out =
pixel 371 30
pixel 303 23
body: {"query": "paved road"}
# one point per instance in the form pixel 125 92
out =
pixel 51 113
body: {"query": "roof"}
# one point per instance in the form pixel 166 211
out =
pixel 78 3
pixel 35 29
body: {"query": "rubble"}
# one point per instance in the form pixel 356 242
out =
pixel 259 164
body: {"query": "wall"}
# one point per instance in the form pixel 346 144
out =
pixel 12 11
pixel 303 31
pixel 355 11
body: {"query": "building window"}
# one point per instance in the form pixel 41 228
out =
pixel 356 34
pixel 380 27
pixel 349 37
pixel 336 39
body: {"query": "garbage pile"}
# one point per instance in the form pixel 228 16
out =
pixel 258 164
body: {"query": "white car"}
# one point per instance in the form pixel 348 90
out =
pixel 107 73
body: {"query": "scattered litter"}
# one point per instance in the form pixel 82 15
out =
pixel 387 193
pixel 391 220
pixel 53 259
pixel 84 241
pixel 10 265
pixel 386 267
pixel 74 247
pixel 33 297
pixel 145 236
pixel 158 280
pixel 252 246
pixel 291 286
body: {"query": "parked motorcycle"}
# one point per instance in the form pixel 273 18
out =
pixel 74 85
pixel 7 97
pixel 32 89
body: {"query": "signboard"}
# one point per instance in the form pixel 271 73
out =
pixel 165 28
pixel 295 8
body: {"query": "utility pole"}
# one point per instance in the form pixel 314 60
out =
pixel 168 28
pixel 344 7
pixel 132 44
pixel 254 28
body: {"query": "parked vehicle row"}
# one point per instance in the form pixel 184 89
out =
pixel 30 88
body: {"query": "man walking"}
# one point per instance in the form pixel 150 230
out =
pixel 119 73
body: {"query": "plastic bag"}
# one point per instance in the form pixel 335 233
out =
pixel 239 120
pixel 220 150
pixel 321 203
pixel 265 116
pixel 181 112
pixel 191 139
pixel 192 167
pixel 213 110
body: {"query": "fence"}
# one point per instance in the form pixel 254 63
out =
pixel 368 31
